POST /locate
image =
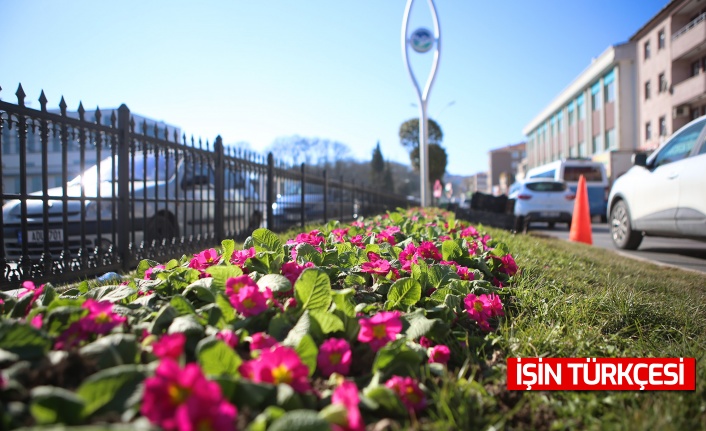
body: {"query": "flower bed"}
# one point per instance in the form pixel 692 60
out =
pixel 336 328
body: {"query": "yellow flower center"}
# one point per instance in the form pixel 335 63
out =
pixel 204 425
pixel 335 358
pixel 478 306
pixel 412 395
pixel 281 374
pixel 379 331
pixel 248 303
pixel 102 317
pixel 177 394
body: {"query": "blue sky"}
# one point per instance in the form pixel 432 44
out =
pixel 257 70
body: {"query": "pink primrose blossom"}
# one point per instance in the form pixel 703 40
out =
pixel 387 237
pixel 346 394
pixel 497 283
pixel 292 270
pixel 380 329
pixel 408 256
pixel 234 284
pixel 334 357
pixel 496 306
pixel 357 241
pixel 473 248
pixel 427 250
pixel 278 365
pixel 409 392
pixel 339 235
pixel 182 399
pixel 380 267
pixel 30 288
pixel 240 256
pixel 358 224
pixel 470 231
pixel 261 341
pixel 480 308
pixel 448 263
pixel 151 270
pixel 465 273
pixel 36 321
pixel 229 337
pixel 100 319
pixel 204 259
pixel 439 354
pixel 169 346
pixel 484 240
pixel 250 301
pixel 443 238
pixel 507 265
pixel 425 342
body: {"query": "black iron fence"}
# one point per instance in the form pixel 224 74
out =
pixel 86 193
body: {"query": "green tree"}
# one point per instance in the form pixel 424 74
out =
pixel 437 162
pixel 377 166
pixel 409 133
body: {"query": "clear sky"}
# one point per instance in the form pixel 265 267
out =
pixel 257 70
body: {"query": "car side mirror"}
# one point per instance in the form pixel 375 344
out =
pixel 639 159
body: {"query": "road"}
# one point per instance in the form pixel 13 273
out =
pixel 682 253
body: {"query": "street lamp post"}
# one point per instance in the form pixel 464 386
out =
pixel 421 41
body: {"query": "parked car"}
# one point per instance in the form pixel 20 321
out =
pixel 541 200
pixel 287 208
pixel 663 194
pixel 170 197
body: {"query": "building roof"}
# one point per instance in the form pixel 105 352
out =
pixel 658 18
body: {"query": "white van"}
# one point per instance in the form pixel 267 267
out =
pixel 569 170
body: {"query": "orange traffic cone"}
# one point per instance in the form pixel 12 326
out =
pixel 581 219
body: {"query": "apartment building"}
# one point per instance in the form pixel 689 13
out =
pixel 671 70
pixel 477 182
pixel 504 163
pixel 11 179
pixel 596 113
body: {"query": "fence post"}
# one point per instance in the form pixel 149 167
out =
pixel 303 185
pixel 325 197
pixel 123 218
pixel 270 192
pixel 219 189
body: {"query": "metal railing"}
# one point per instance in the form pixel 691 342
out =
pixel 689 26
pixel 112 191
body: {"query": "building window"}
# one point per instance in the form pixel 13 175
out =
pixel 582 149
pixel 597 145
pixel 582 111
pixel 695 114
pixel 610 142
pixel 595 102
pixel 648 131
pixel 662 83
pixel 647 50
pixel 662 126
pixel 609 92
pixel 695 68
pixel 661 39
pixel 647 90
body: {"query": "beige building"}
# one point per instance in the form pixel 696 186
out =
pixel 476 183
pixel 595 114
pixel 504 163
pixel 671 70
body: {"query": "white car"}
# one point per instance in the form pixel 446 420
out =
pixel 541 200
pixel 665 194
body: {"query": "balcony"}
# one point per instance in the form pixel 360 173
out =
pixel 689 90
pixel 689 38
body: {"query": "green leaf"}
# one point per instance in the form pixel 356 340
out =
pixel 296 334
pixel 300 420
pixel 343 299
pixel 307 253
pixel 396 218
pixel 143 266
pixel 312 289
pixel 52 405
pixel 187 324
pixel 228 249
pixel 404 292
pixel 439 276
pixel 307 351
pixel 266 240
pixel 221 274
pixel 419 324
pixel 225 306
pixel 397 358
pixel 110 390
pixel 217 358
pixel 111 350
pixel 328 322
pixel 181 305
pixel 385 399
pixel 354 280
pixel 252 394
pixel 276 283
pixel 164 318
pixel 451 250
pixel 201 289
pixel 110 293
pixel 24 340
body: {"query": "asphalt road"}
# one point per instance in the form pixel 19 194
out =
pixel 682 253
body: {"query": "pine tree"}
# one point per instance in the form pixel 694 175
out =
pixel 377 167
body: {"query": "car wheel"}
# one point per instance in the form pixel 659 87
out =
pixel 621 230
pixel 160 228
pixel 519 224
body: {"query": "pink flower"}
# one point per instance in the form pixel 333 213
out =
pixel 204 259
pixel 229 337
pixel 100 319
pixel 261 341
pixel 170 346
pixel 346 394
pixel 481 308
pixel 439 354
pixel 507 265
pixel 380 329
pixel 334 357
pixel 250 301
pixel 386 236
pixel 292 270
pixel 408 256
pixel 427 250
pixel 183 399
pixel 425 342
pixel 469 231
pixel 234 284
pixel 36 321
pixel 151 270
pixel 380 267
pixel 357 241
pixel 339 235
pixel 278 365
pixel 409 392
pixel 464 273
pixel 30 288
pixel 496 306
pixel 240 256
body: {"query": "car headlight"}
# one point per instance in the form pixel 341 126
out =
pixel 274 205
pixel 106 210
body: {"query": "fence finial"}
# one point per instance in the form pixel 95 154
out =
pixel 20 93
pixel 43 101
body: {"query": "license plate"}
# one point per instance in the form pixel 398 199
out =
pixel 37 236
pixel 550 214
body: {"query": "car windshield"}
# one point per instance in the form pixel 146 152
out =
pixel 591 173
pixel 546 186
pixel 146 168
